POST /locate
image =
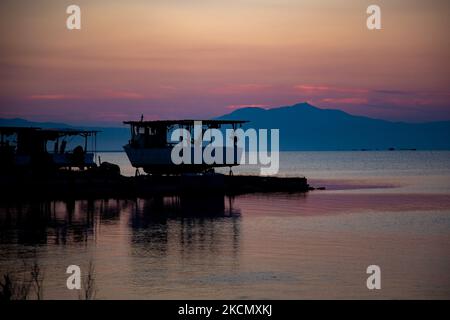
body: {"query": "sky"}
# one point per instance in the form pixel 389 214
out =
pixel 173 59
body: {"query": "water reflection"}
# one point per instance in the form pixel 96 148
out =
pixel 175 236
pixel 192 223
pixel 39 223
pixel 282 246
pixel 70 221
pixel 141 241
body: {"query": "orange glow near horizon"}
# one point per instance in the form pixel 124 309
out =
pixel 197 58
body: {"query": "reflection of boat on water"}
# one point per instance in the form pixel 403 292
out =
pixel 29 147
pixel 149 147
pixel 193 226
pixel 188 205
pixel 61 222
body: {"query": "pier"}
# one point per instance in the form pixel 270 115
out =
pixel 92 185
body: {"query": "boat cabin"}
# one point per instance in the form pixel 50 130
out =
pixel 150 146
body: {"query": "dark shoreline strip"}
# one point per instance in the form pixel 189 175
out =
pixel 82 186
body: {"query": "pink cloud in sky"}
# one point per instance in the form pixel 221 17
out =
pixel 53 97
pixel 239 106
pixel 182 101
pixel 112 94
pixel 240 88
pixel 354 100
pixel 321 89
pixel 105 94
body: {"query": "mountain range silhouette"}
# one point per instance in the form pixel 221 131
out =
pixel 305 127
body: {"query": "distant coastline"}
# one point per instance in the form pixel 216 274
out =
pixel 304 127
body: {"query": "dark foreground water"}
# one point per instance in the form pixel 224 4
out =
pixel 390 209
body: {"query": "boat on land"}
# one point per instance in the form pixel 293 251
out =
pixel 37 163
pixel 33 147
pixel 150 147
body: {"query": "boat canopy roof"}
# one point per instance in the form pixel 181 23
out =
pixel 190 122
pixel 48 133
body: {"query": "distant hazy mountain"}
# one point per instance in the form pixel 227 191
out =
pixel 305 127
pixel 18 122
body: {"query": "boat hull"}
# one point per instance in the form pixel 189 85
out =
pixel 159 160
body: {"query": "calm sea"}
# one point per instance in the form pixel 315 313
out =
pixel 390 209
